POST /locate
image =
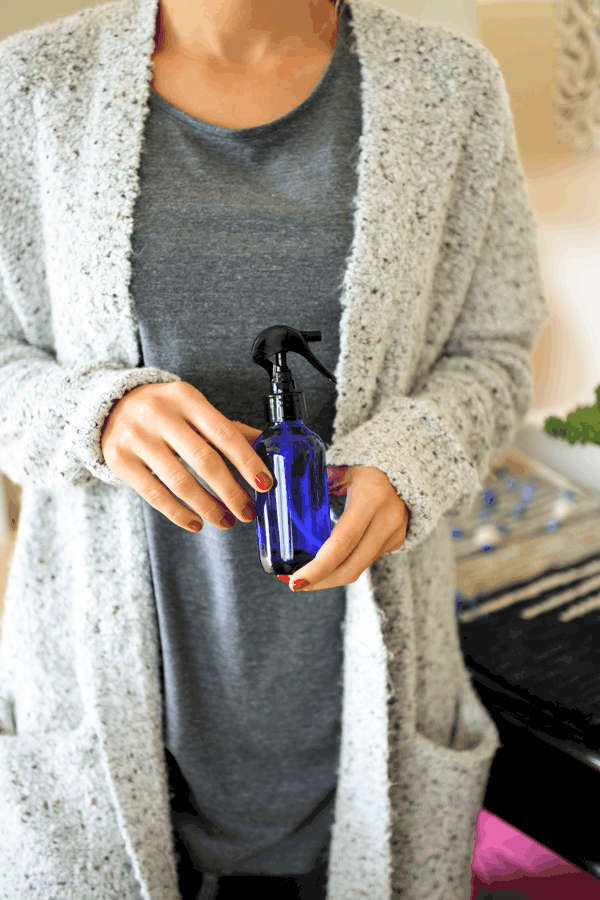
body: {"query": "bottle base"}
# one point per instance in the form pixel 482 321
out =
pixel 280 567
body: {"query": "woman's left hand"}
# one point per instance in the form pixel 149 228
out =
pixel 374 522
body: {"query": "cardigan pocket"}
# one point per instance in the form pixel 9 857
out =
pixel 59 834
pixel 439 792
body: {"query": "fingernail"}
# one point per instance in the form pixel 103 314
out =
pixel 263 482
pixel 299 585
pixel 284 577
pixel 228 520
pixel 195 526
pixel 249 511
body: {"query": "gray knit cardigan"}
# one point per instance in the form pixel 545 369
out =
pixel 442 303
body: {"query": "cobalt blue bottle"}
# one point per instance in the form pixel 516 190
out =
pixel 293 518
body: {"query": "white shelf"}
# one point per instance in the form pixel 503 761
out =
pixel 579 463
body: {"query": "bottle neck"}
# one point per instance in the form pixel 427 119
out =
pixel 289 406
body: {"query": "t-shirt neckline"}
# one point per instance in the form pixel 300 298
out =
pixel 158 100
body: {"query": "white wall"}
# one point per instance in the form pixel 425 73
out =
pixel 566 202
pixel 28 13
pixel 461 14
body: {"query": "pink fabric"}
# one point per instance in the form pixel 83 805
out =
pixel 505 859
pixel 502 850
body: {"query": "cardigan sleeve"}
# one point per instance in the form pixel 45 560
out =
pixel 51 415
pixel 436 445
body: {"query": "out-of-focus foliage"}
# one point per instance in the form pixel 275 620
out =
pixel 582 425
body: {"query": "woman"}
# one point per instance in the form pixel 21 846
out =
pixel 175 178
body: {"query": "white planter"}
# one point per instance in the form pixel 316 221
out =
pixel 578 462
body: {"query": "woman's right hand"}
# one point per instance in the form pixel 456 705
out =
pixel 153 422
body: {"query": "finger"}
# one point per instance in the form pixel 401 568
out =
pixel 396 541
pixel 197 449
pixel 345 537
pixel 398 537
pixel 149 485
pixel 216 429
pixel 369 548
pixel 187 497
pixel 209 465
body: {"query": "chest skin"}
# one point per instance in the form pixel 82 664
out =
pixel 239 96
pixel 236 99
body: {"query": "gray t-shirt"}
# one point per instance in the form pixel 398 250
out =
pixel 236 230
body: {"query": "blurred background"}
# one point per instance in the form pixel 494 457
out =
pixel 552 76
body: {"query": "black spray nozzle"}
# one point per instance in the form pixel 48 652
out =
pixel 281 339
pixel 285 403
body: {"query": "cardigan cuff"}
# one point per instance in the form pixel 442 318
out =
pixel 422 459
pixel 98 400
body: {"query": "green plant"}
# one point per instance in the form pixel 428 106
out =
pixel 582 425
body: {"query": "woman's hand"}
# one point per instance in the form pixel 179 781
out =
pixel 152 425
pixel 374 522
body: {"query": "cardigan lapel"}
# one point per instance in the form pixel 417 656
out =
pixel 126 690
pixel 377 287
pixel 377 277
pixel 111 150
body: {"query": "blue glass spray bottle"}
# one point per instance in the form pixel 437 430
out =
pixel 293 518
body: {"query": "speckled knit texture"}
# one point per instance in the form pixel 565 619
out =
pixel 442 305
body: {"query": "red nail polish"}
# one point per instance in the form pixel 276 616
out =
pixel 195 526
pixel 284 577
pixel 262 482
pixel 300 584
